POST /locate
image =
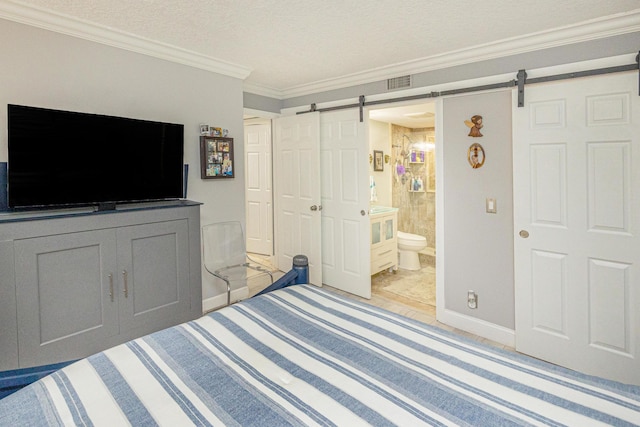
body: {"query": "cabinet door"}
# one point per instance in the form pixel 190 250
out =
pixel 153 264
pixel 389 228
pixel 376 232
pixel 8 323
pixel 65 307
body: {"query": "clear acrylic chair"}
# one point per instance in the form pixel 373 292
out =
pixel 225 255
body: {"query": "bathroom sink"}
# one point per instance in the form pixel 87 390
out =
pixel 381 209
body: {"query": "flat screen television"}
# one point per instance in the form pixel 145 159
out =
pixel 63 158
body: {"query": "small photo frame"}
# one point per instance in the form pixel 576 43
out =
pixel 216 157
pixel 378 161
pixel 204 130
pixel 223 146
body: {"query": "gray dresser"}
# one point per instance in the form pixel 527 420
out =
pixel 75 282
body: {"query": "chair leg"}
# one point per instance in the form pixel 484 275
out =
pixel 228 292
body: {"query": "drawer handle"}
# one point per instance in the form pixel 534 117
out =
pixel 385 252
pixel 385 265
pixel 111 286
pixel 126 287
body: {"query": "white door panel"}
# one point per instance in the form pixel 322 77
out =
pixel 345 230
pixel 577 223
pixel 297 192
pixel 259 228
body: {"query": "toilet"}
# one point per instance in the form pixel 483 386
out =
pixel 408 247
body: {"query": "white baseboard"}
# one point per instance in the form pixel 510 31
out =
pixel 220 301
pixel 478 327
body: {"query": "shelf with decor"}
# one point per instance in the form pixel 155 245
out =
pixel 417 156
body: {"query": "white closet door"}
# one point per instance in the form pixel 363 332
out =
pixel 259 192
pixel 297 192
pixel 576 166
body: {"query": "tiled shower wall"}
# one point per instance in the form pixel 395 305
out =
pixel 416 211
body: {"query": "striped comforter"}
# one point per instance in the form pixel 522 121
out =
pixel 305 356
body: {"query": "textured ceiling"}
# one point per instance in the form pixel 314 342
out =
pixel 293 43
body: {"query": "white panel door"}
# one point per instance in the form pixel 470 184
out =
pixel 297 192
pixel 576 166
pixel 259 195
pixel 346 251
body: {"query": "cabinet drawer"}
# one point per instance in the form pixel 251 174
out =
pixel 383 257
pixel 384 262
pixel 384 250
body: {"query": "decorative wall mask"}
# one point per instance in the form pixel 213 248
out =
pixel 475 155
pixel 475 124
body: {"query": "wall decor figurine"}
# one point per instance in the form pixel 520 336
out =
pixel 475 155
pixel 475 124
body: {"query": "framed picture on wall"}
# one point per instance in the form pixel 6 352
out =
pixel 378 160
pixel 216 157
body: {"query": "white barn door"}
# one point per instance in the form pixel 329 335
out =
pixel 297 192
pixel 346 253
pixel 576 150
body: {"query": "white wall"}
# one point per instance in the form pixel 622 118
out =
pixel 380 139
pixel 51 70
pixel 478 245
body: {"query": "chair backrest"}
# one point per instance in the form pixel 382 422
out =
pixel 223 245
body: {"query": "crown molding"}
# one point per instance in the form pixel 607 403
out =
pixel 75 27
pixel 599 28
pixel 257 89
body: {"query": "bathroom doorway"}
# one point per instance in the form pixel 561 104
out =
pixel 406 136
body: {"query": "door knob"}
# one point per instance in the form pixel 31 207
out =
pixel 362 212
pixel 314 208
pixel 524 234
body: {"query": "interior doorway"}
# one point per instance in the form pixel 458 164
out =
pixel 406 136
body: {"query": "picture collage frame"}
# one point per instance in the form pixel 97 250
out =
pixel 216 157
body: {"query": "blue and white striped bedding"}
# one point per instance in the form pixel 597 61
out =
pixel 305 356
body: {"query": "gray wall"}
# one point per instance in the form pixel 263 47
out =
pixel 262 103
pixel 47 69
pixel 478 245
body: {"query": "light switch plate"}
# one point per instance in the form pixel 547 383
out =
pixel 491 206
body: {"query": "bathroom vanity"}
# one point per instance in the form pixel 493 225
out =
pixel 384 238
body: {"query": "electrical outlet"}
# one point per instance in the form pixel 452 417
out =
pixel 472 299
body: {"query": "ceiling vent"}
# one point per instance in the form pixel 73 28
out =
pixel 399 83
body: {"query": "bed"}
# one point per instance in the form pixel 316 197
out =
pixel 306 356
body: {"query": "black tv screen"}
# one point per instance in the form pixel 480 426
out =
pixel 63 158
